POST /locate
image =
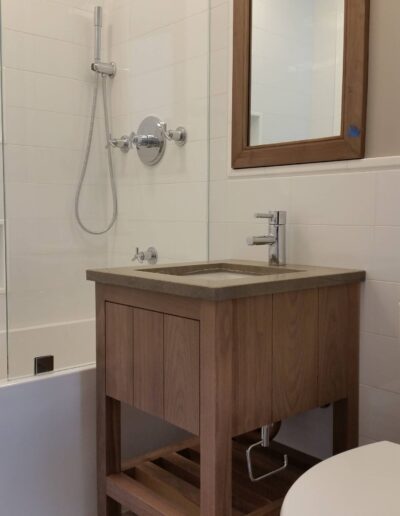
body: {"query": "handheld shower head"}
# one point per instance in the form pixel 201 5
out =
pixel 98 16
pixel 98 66
pixel 98 23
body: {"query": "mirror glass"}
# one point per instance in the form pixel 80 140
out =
pixel 297 54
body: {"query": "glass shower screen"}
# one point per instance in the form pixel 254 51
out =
pixel 162 70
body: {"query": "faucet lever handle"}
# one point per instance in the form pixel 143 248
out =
pixel 268 215
pixel 138 256
pixel 276 217
pixel 124 143
pixel 178 135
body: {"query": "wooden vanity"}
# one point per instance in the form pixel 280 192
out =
pixel 220 355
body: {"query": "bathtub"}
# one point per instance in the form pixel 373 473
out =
pixel 47 443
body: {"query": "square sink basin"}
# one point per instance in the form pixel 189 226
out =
pixel 220 271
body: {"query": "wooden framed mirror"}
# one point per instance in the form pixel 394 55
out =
pixel 300 73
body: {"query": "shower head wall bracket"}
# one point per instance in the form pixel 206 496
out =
pixel 109 69
pixel 150 141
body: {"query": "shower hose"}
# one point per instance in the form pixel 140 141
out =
pixel 86 160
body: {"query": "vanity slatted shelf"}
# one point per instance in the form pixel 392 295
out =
pixel 219 359
pixel 171 478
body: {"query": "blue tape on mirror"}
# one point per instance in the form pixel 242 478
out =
pixel 353 131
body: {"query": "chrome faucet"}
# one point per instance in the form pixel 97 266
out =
pixel 276 237
pixel 150 256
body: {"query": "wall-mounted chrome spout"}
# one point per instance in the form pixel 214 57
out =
pixel 150 141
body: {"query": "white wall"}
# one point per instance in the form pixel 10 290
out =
pixel 343 214
pixel 161 49
pixel 47 50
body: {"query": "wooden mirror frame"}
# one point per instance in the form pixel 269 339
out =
pixel 351 142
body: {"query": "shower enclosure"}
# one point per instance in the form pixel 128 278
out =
pixel 161 52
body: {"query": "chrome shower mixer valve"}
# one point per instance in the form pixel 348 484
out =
pixel 150 140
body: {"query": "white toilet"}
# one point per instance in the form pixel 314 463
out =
pixel 361 482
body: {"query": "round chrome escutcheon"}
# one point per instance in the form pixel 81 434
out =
pixel 151 155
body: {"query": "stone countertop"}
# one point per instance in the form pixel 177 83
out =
pixel 181 279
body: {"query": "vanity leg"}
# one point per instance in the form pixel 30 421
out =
pixel 345 425
pixel 108 420
pixel 346 411
pixel 215 409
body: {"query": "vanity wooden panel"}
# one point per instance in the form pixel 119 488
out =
pixel 148 359
pixel 338 341
pixel 334 341
pixel 216 382
pixel 252 363
pixel 181 372
pixel 295 353
pixel 119 352
pixel 219 369
pixel 345 411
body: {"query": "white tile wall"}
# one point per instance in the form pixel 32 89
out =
pixel 380 358
pixel 315 200
pixel 164 71
pixel 379 414
pixel 64 341
pixel 348 216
